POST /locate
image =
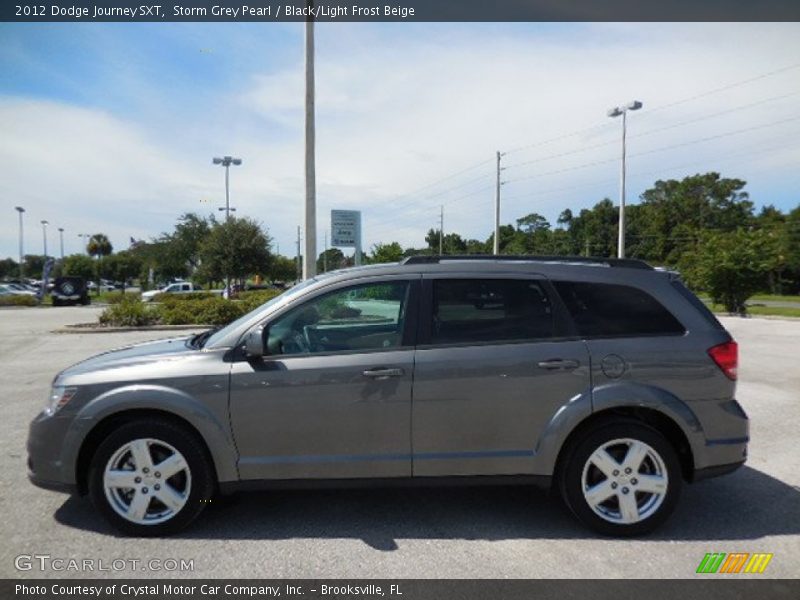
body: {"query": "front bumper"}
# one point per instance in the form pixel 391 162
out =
pixel 47 467
pixel 716 471
pixel 53 486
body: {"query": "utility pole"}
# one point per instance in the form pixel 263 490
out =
pixel 299 267
pixel 441 228
pixel 20 210
pixel 497 207
pixel 61 235
pixel 310 264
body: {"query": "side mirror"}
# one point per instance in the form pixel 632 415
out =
pixel 254 343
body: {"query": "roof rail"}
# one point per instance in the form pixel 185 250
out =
pixel 429 259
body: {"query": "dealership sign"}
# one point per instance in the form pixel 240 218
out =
pixel 346 229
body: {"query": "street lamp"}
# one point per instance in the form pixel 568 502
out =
pixel 616 112
pixel 44 237
pixel 227 161
pixel 20 210
pixel 61 235
pixel 84 241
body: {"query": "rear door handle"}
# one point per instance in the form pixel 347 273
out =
pixel 558 363
pixel 383 373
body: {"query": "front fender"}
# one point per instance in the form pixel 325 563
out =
pixel 213 428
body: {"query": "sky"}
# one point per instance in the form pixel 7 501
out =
pixel 112 127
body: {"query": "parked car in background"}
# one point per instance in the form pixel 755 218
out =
pixel 605 380
pixel 16 289
pixel 104 286
pixel 180 287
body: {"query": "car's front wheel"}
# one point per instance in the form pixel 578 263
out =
pixel 622 478
pixel 151 477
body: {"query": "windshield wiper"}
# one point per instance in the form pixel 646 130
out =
pixel 200 339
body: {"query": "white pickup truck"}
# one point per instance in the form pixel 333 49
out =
pixel 180 287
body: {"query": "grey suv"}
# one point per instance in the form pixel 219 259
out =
pixel 605 379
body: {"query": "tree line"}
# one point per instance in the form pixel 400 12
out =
pixel 704 226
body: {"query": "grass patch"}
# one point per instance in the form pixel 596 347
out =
pixel 769 311
pixel 759 298
pixel 18 300
pixel 774 298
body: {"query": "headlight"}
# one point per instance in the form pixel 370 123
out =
pixel 59 396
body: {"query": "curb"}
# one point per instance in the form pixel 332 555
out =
pixel 92 328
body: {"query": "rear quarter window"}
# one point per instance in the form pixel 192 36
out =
pixel 613 310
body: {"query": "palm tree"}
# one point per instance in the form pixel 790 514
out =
pixel 99 246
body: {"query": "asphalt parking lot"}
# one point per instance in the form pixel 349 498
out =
pixel 492 532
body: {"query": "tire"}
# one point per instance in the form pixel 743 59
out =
pixel 623 503
pixel 155 503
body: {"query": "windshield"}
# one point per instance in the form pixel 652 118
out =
pixel 280 299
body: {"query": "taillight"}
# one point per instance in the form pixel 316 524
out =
pixel 727 358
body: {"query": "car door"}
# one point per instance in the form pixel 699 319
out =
pixel 495 361
pixel 332 396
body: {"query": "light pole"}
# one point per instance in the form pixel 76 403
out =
pixel 44 237
pixel 616 112
pixel 83 241
pixel 61 235
pixel 227 161
pixel 20 210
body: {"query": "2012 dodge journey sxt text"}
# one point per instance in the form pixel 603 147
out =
pixel 606 378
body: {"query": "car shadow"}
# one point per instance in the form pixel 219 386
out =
pixel 745 505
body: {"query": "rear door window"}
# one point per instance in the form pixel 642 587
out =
pixel 475 311
pixel 612 310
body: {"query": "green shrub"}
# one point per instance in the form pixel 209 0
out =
pixel 113 297
pixel 206 309
pixel 253 299
pixel 178 298
pixel 128 312
pixel 218 311
pixel 18 300
pixel 210 310
pixel 183 313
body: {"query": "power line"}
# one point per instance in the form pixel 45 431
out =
pixel 651 131
pixel 660 148
pixel 657 108
pixel 722 88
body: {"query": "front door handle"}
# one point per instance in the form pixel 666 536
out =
pixel 383 373
pixel 558 363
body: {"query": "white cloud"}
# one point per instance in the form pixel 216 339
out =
pixel 401 106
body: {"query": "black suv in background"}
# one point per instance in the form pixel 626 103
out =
pixel 70 290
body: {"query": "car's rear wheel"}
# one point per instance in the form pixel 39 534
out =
pixel 622 478
pixel 151 477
